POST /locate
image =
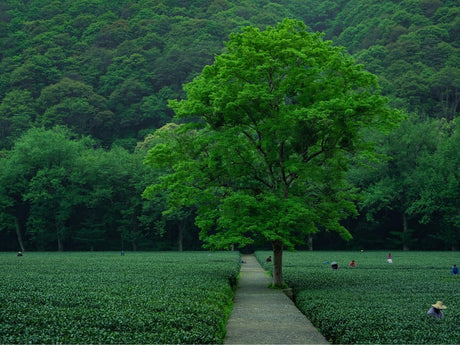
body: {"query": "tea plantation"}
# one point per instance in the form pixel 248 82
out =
pixel 108 298
pixel 376 302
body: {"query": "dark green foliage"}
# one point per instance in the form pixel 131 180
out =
pixel 421 35
pixel 61 193
pixel 127 51
pixel 417 185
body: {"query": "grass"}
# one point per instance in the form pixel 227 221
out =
pixel 107 298
pixel 376 302
pixel 187 297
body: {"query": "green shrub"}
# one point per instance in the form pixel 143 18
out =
pixel 376 302
pixel 107 298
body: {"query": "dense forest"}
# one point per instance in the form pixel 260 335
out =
pixel 85 83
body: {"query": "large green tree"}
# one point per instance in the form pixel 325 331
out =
pixel 279 114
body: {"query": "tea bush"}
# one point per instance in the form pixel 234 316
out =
pixel 376 302
pixel 107 298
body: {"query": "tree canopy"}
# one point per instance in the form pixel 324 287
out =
pixel 282 111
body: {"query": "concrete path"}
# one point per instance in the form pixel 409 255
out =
pixel 266 316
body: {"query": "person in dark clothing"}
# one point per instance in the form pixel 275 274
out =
pixel 436 311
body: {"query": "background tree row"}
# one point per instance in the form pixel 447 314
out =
pixel 104 70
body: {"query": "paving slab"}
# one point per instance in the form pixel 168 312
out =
pixel 262 315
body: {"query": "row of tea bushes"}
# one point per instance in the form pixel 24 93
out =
pixel 108 298
pixel 376 302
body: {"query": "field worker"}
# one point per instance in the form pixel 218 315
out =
pixel 269 259
pixel 389 256
pixel 334 266
pixel 19 253
pixel 352 263
pixel 435 310
pixel 389 261
pixel 454 270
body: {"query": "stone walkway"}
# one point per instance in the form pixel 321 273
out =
pixel 266 316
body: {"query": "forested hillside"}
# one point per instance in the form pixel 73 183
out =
pixel 84 82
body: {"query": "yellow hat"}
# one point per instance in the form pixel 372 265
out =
pixel 439 305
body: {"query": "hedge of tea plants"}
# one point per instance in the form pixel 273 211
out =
pixel 376 302
pixel 108 298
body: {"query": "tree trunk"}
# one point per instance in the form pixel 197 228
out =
pixel 180 236
pixel 59 239
pixel 405 233
pixel 277 263
pixel 18 234
pixel 310 242
pixel 134 245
